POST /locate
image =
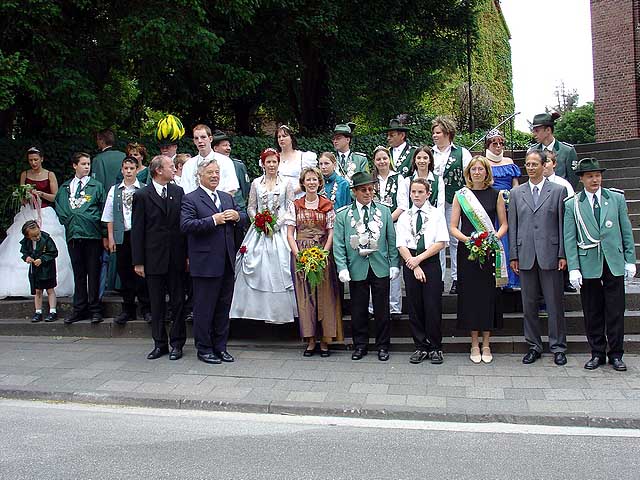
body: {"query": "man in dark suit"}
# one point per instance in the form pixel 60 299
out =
pixel 209 218
pixel 536 251
pixel 158 251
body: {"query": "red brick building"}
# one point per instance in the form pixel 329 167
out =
pixel 615 30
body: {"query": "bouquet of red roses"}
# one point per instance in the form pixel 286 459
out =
pixel 481 245
pixel 265 221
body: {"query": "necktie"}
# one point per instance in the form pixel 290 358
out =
pixel 164 193
pixel 216 202
pixel 79 189
pixel 420 247
pixel 596 209
pixel 536 196
pixel 365 215
pixel 342 159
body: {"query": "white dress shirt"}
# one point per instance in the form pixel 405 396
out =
pixel 436 230
pixel 539 185
pixel 561 181
pixel 590 196
pixel 78 183
pixel 396 152
pixel 107 213
pixel 228 179
pixel 159 188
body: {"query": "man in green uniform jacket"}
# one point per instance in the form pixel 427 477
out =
pixel 566 156
pixel 364 247
pixel 348 161
pixel 401 151
pixel 600 255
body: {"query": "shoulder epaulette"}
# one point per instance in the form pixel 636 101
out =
pixel 344 207
pixel 571 196
pixel 617 190
pixel 361 154
pixel 567 144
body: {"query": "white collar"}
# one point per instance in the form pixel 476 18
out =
pixel 209 192
pixel 360 206
pixel 446 149
pixel 346 154
pixel 423 208
pixel 550 146
pixel 597 193
pixel 158 187
pixel 400 147
pixel 539 185
pixel 135 184
pixel 208 157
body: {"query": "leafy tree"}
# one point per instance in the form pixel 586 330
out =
pixel 577 126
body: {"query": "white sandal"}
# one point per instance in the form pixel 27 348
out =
pixel 475 355
pixel 486 355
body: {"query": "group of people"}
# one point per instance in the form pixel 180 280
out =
pixel 278 248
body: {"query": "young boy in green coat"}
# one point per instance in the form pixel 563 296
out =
pixel 39 250
pixel 79 204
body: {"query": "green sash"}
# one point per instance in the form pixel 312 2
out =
pixel 480 220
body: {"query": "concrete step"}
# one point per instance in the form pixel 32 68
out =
pixel 248 330
pixel 623 183
pixel 614 145
pixel 608 163
pixel 623 172
pixel 612 154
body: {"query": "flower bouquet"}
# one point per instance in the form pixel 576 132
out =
pixel 482 245
pixel 265 222
pixel 312 261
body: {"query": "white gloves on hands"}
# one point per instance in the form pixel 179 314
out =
pixel 344 276
pixel 575 279
pixel 394 272
pixel 629 271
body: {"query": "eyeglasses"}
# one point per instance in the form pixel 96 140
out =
pixel 498 144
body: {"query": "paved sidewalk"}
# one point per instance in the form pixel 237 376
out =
pixel 274 379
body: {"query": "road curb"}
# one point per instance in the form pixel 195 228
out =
pixel 316 409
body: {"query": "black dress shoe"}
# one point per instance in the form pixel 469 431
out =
pixel 531 356
pixel 147 317
pixel 383 355
pixel 37 317
pixel 325 353
pixel 189 317
pixel 226 357
pixel 176 354
pixel 568 288
pixel 594 363
pixel 618 365
pixel 52 317
pixel 96 318
pixel 454 288
pixel 157 353
pixel 76 317
pixel 559 358
pixel 210 358
pixel 122 319
pixel 308 352
pixel 358 353
pixel 418 356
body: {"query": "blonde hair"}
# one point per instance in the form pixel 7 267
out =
pixel 330 156
pixel 488 180
pixel 181 159
pixel 316 171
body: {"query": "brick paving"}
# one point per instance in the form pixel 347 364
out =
pixel 280 380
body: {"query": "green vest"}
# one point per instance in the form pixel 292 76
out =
pixel 453 175
pixel 118 215
pixel 390 196
pixel 403 164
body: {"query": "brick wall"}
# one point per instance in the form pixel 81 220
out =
pixel 615 30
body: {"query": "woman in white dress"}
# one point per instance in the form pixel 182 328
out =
pixel 264 286
pixel 292 160
pixel 14 276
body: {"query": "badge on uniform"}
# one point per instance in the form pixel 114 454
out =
pixel 608 224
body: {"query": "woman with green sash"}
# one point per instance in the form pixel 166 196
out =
pixel 475 209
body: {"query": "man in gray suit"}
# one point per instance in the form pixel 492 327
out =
pixel 536 251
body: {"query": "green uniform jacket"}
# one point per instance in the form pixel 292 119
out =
pixel 46 251
pixel 355 162
pixel 242 194
pixel 567 161
pixel 348 258
pixel 106 166
pixel 83 222
pixel 614 233
pixel 404 161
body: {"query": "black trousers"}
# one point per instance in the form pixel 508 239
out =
pixel 85 257
pixel 159 286
pixel 211 304
pixel 132 285
pixel 379 288
pixel 425 304
pixel 603 307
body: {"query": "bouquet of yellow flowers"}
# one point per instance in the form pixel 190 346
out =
pixel 312 261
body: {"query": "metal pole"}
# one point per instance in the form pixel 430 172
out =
pixel 471 121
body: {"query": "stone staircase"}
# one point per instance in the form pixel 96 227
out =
pixel 622 160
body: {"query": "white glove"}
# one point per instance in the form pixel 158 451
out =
pixel 629 271
pixel 575 279
pixel 394 272
pixel 344 276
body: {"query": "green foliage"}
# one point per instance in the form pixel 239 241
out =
pixel 577 126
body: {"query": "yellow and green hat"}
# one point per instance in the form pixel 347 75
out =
pixel 170 130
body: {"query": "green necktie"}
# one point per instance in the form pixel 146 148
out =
pixel 596 209
pixel 79 189
pixel 420 247
pixel 342 160
pixel 365 215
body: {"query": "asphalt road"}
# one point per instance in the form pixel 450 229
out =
pixel 66 441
